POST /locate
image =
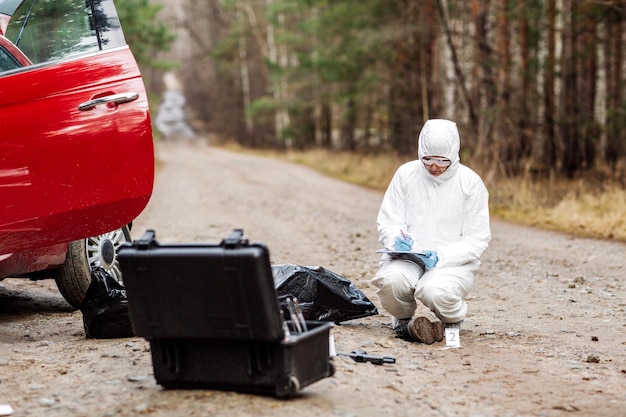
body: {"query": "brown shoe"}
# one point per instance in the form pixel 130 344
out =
pixel 426 331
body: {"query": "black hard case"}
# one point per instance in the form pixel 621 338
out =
pixel 213 319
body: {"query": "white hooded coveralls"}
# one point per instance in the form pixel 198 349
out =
pixel 448 213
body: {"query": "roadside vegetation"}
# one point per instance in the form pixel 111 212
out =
pixel 579 207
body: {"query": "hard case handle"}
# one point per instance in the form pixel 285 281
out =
pixel 148 240
pixel 235 239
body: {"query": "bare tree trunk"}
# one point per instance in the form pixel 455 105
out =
pixel 443 14
pixel 505 146
pixel 277 57
pixel 407 97
pixel 430 80
pixel 549 148
pixel 578 128
pixel 325 126
pixel 244 74
pixel 424 87
pixel 529 100
pixel 615 101
pixel 348 129
pixel 587 70
pixel 570 105
pixel 483 91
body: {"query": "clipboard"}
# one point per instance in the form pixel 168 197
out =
pixel 400 252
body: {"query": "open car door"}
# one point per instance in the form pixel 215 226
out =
pixel 76 148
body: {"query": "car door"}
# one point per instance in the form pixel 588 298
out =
pixel 76 149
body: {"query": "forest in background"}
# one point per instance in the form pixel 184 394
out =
pixel 536 86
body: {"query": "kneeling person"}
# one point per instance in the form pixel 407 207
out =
pixel 437 207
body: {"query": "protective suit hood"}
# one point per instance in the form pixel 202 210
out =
pixel 440 137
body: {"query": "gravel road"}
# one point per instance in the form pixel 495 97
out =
pixel 545 334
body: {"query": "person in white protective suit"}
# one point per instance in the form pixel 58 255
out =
pixel 439 208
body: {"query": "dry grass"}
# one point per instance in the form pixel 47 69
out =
pixel 600 214
pixel 374 171
pixel 574 207
pixel 578 207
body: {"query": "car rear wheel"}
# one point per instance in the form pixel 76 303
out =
pixel 74 277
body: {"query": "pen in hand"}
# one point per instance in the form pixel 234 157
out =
pixel 408 240
pixel 403 243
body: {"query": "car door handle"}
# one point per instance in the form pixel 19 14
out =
pixel 112 99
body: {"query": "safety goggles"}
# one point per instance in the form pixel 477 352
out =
pixel 440 162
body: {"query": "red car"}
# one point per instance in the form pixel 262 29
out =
pixel 76 147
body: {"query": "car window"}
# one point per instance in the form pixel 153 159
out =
pixel 54 30
pixel 7 61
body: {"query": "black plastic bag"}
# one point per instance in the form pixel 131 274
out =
pixel 321 294
pixel 105 309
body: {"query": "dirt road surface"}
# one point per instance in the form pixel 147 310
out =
pixel 545 335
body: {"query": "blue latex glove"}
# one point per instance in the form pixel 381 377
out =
pixel 403 243
pixel 429 258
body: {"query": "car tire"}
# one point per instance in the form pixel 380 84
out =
pixel 74 277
